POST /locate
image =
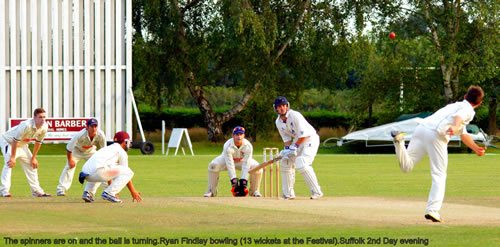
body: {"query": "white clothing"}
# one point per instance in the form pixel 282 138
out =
pixel 81 143
pixel 233 158
pixel 109 163
pixel 442 119
pixel 81 147
pixel 295 127
pixel 22 134
pixel 232 155
pixel 430 139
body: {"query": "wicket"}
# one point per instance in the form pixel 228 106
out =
pixel 269 154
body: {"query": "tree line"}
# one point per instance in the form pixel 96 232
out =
pixel 268 48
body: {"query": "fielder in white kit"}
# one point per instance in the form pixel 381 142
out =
pixel 109 164
pixel 14 145
pixel 237 154
pixel 82 146
pixel 301 145
pixel 431 138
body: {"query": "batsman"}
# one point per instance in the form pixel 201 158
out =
pixel 237 154
pixel 301 145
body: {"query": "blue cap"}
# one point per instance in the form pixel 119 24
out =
pixel 91 122
pixel 238 129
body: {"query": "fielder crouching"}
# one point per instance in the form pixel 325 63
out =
pixel 237 154
pixel 109 164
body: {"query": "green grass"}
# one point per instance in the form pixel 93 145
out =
pixel 172 207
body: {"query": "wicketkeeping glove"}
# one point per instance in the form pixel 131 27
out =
pixel 242 188
pixel 234 184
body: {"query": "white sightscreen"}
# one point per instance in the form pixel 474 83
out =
pixel 71 57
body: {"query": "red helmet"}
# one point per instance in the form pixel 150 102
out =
pixel 121 136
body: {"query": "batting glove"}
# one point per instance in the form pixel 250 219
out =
pixel 292 151
pixel 284 152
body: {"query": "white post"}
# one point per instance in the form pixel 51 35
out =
pixel 108 83
pixel 128 57
pixel 97 55
pixel 3 83
pixel 162 136
pixel 24 61
pixel 86 55
pixel 13 63
pixel 34 54
pixel 77 105
pixel 56 104
pixel 66 58
pixel 45 54
pixel 118 72
pixel 136 114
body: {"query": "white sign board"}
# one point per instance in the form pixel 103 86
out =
pixel 179 138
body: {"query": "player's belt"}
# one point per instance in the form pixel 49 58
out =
pixel 87 147
pixel 237 159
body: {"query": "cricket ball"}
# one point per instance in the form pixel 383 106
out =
pixel 392 35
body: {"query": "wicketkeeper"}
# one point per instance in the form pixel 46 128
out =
pixel 82 146
pixel 237 154
pixel 431 138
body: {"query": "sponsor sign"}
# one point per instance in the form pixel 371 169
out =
pixel 60 129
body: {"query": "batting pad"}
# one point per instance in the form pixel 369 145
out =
pixel 213 180
pixel 287 181
pixel 311 180
pixel 255 179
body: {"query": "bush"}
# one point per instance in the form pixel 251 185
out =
pixel 192 118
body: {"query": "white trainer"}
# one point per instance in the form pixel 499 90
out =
pixel 256 194
pixel 316 196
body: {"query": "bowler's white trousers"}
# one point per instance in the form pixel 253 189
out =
pixel 427 141
pixel 120 175
pixel 23 156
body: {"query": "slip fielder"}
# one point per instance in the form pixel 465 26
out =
pixel 109 164
pixel 14 145
pixel 82 146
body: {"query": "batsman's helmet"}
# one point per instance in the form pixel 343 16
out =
pixel 280 100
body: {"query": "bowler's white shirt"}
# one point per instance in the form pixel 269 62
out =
pixel 445 117
pixel 295 127
pixel 82 143
pixel 107 156
pixel 25 131
pixel 234 154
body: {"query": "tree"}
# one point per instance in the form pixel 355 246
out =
pixel 451 25
pixel 203 43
